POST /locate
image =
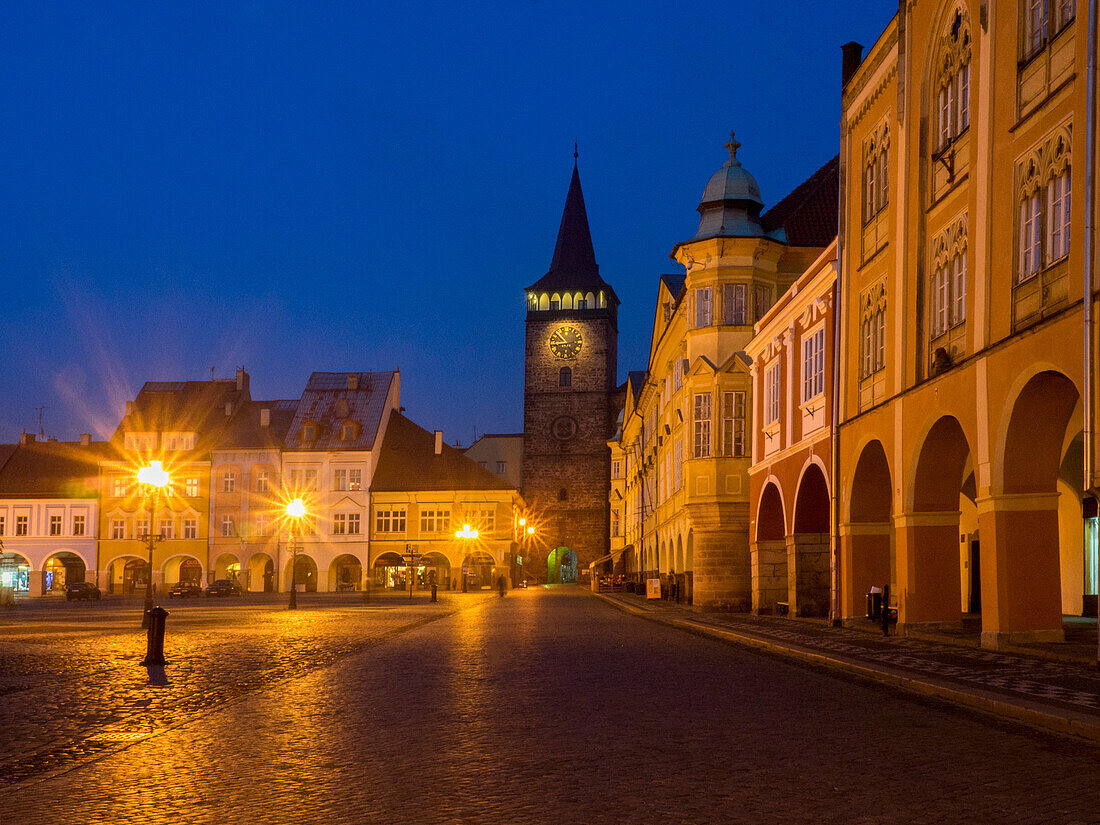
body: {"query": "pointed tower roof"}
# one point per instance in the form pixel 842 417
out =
pixel 573 266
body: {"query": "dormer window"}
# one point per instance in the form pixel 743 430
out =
pixel 309 431
pixel 349 430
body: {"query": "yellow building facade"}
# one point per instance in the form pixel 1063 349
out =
pixel 962 371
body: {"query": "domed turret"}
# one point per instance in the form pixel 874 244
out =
pixel 731 202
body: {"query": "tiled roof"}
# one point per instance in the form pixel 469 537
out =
pixel 245 432
pixel 52 469
pixel 328 402
pixel 407 462
pixel 808 215
pixel 183 406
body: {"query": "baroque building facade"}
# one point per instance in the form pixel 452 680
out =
pixel 966 399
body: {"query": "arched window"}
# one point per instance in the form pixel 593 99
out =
pixel 590 300
pixel 948 286
pixel 555 301
pixel 544 301
pixel 1044 197
pixel 603 300
pixel 532 301
pixel 565 377
pixel 567 301
pixel 952 82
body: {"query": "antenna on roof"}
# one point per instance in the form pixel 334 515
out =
pixel 41 432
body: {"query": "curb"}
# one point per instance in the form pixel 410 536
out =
pixel 998 707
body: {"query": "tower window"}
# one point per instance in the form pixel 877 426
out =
pixel 565 377
pixel 563 494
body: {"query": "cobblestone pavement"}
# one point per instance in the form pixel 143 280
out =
pixel 551 706
pixel 71 686
pixel 1066 690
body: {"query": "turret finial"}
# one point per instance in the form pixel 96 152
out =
pixel 575 154
pixel 733 146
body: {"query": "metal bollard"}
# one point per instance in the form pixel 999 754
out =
pixel 154 651
pixel 433 591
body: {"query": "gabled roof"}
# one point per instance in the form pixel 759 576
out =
pixel 52 469
pixel 808 215
pixel 674 284
pixel 328 402
pixel 183 406
pixel 245 432
pixel 573 266
pixel 407 463
pixel 637 381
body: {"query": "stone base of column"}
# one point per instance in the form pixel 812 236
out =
pixel 808 574
pixel 994 640
pixel 769 576
pixel 722 564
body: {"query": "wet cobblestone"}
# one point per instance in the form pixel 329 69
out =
pixel 551 706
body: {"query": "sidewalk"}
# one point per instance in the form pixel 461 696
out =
pixel 1058 696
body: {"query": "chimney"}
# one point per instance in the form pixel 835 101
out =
pixel 26 438
pixel 852 56
pixel 228 408
pixel 129 407
pixel 242 379
pixel 265 417
pixel 438 442
pixel 353 380
pixel 85 439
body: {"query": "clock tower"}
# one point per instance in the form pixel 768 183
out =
pixel 570 360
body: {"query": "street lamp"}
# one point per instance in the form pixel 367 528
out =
pixel 153 479
pixel 295 510
pixel 467 534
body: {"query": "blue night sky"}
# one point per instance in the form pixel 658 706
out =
pixel 353 186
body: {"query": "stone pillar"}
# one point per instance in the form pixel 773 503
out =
pixel 808 574
pixel 722 563
pixel 864 562
pixel 1021 579
pixel 929 580
pixel 769 575
pixel 37 583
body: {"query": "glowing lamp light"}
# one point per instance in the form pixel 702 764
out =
pixel 295 509
pixel 531 531
pixel 466 533
pixel 154 475
pixel 522 522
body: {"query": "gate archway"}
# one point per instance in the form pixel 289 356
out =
pixel 561 566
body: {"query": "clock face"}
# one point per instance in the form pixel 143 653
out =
pixel 565 342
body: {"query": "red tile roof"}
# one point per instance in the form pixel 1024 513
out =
pixel 809 213
pixel 52 469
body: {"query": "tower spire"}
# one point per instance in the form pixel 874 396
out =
pixel 573 252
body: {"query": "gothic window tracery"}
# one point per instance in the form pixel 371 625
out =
pixel 948 283
pixel 952 81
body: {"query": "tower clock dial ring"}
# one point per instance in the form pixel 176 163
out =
pixel 565 342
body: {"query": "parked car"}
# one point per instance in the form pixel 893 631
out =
pixel 82 590
pixel 185 589
pixel 223 587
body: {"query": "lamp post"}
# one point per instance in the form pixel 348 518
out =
pixel 295 510
pixel 467 534
pixel 153 479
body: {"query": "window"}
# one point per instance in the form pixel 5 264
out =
pixel 813 364
pixel 678 371
pixel 614 523
pixel 167 529
pixel 555 302
pixel 876 177
pixel 190 528
pixel 141 527
pixel 873 343
pixel 118 528
pixel 762 297
pixel 948 285
pixel 78 526
pixel 502 467
pixel 55 525
pixel 309 432
pixel 339 479
pixel 771 393
pixel 3 519
pixel 353 524
pixel 227 526
pixel 702 307
pixel 347 431
pixel 303 480
pixel 1045 199
pixel 355 479
pixel 263 525
pixel 678 463
pixel 263 481
pixel 191 486
pixel 483 519
pixel 436 520
pixel 616 469
pixel 735 304
pixel 733 423
pixel 1043 19
pixel 339 524
pixel 229 481
pixel 582 303
pixel 118 486
pixel 953 82
pixel 702 425
pixel 390 520
pixel 565 377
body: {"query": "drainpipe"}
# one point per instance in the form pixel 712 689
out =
pixel 1090 251
pixel 852 55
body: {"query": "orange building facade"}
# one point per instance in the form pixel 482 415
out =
pixel 964 428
